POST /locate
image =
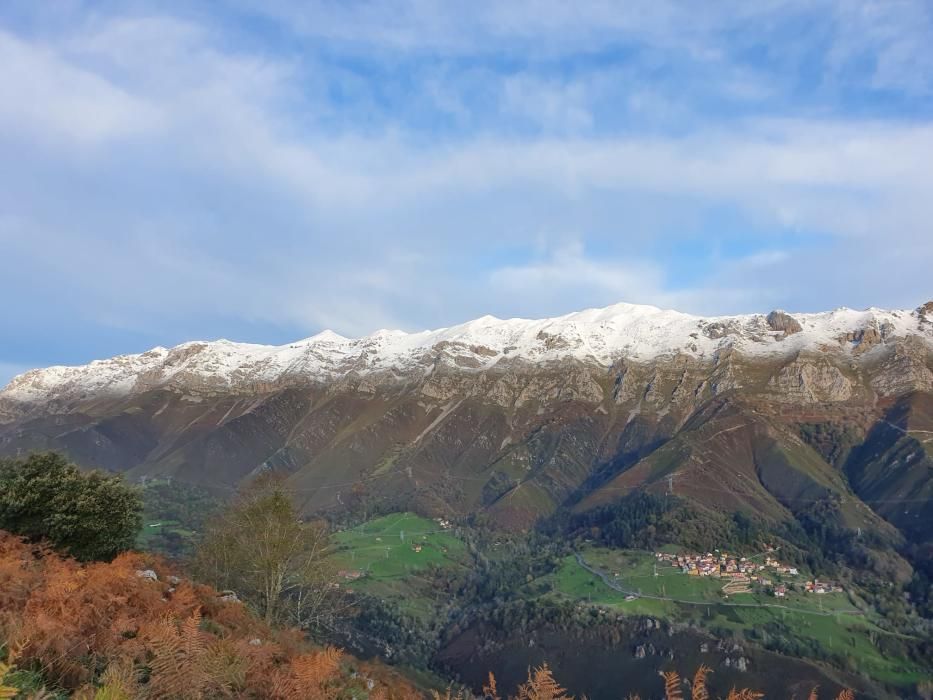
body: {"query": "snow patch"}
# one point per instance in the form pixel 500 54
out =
pixel 601 336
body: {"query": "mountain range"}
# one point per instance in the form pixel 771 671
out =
pixel 762 413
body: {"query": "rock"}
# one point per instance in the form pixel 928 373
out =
pixel 780 321
pixel 866 338
pixel 639 651
pixel 718 329
pixel 809 381
pixel 147 574
pixel 228 597
pixel 254 642
pixel 741 663
pixel 925 311
pixel 174 580
pixel 704 648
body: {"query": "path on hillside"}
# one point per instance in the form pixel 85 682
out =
pixel 605 578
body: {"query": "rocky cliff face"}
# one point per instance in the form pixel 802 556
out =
pixel 510 417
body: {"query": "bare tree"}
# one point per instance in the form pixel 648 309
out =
pixel 261 549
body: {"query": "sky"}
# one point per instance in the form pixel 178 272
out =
pixel 262 170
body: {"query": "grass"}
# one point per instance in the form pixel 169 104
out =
pixel 384 550
pixel 852 636
pixel 152 528
pixel 573 581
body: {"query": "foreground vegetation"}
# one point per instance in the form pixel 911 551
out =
pixel 398 586
pixel 128 629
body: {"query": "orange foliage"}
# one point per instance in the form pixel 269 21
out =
pixel 103 630
pixel 672 685
pixel 698 690
pixel 105 627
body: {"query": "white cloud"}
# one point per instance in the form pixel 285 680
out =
pixel 53 98
pixel 248 198
pixel 566 272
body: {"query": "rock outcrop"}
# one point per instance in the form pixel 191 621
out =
pixel 780 321
pixel 511 417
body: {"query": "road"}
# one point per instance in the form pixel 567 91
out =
pixel 605 578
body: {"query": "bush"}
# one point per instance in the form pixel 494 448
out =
pixel 87 515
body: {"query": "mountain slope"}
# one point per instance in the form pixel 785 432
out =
pixel 514 418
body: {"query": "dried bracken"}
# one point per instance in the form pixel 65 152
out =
pixel 744 694
pixel 698 690
pixel 672 689
pixel 111 631
pixel 115 631
pixel 490 691
pixel 541 685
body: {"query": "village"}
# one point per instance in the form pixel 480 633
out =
pixel 741 572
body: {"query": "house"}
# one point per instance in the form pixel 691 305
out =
pixel 780 591
pixel 416 547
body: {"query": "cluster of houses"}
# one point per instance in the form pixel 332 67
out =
pixel 817 586
pixel 724 565
pixel 350 574
pixel 741 570
pixel 443 522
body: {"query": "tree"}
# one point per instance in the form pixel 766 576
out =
pixel 88 515
pixel 259 548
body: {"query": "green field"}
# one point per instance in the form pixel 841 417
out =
pixel 153 530
pixel 384 551
pixel 804 616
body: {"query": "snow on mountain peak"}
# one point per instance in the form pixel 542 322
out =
pixel 600 335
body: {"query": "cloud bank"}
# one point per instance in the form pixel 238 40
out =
pixel 261 172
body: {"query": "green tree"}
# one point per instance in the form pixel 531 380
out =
pixel 259 548
pixel 88 515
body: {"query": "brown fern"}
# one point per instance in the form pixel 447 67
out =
pixel 541 685
pixel 672 689
pixel 119 681
pixel 489 690
pixel 308 675
pixel 814 693
pixel 846 694
pixel 448 695
pixel 744 694
pixel 698 691
pixel 177 655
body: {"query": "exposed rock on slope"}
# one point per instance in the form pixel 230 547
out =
pixel 514 417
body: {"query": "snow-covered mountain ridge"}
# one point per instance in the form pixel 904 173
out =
pixel 601 336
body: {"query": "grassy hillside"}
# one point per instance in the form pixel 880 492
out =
pixel 388 557
pixel 800 624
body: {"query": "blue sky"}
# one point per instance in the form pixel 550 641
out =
pixel 263 170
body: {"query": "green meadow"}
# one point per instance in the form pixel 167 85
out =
pixel 392 554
